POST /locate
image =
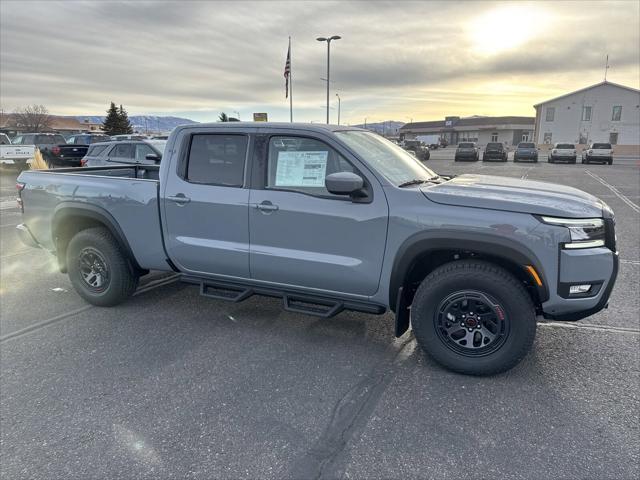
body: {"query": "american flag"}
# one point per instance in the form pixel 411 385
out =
pixel 287 72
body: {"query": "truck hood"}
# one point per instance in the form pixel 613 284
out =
pixel 515 195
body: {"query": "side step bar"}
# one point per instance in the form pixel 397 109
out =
pixel 324 307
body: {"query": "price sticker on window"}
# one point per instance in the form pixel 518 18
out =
pixel 301 169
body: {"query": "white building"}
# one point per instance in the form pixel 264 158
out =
pixel 605 112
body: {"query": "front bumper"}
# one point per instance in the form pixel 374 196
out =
pixel 598 267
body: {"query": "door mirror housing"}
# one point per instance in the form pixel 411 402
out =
pixel 153 157
pixel 344 183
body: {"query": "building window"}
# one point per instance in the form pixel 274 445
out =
pixel 586 114
pixel 616 115
pixel 547 137
pixel 613 138
pixel 551 113
pixel 494 137
pixel 526 136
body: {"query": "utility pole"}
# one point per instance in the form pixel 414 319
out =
pixel 606 67
pixel 339 102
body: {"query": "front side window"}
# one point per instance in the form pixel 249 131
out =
pixel 217 159
pixel 301 164
pixel 616 115
pixel 586 114
pixel 142 151
pixel 551 113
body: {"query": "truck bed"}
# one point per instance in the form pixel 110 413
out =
pixel 126 196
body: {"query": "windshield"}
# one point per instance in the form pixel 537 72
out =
pixel 395 164
pixel 526 145
pixel 494 145
pixel 602 146
pixel 465 145
pixel 565 146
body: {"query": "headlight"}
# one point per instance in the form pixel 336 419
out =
pixel 585 232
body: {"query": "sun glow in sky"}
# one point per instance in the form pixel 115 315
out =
pixel 507 27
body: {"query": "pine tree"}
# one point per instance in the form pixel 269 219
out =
pixel 123 121
pixel 223 117
pixel 111 123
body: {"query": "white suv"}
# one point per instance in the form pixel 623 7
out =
pixel 598 152
pixel 565 152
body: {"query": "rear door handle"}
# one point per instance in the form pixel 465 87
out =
pixel 179 198
pixel 266 206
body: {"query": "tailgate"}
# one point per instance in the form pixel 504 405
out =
pixel 72 151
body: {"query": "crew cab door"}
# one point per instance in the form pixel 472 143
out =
pixel 205 205
pixel 304 236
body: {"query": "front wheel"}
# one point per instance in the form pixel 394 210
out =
pixel 99 270
pixel 473 317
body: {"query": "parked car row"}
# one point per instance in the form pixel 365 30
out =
pixel 126 152
pixel 528 152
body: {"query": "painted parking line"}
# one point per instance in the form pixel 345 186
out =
pixel 590 327
pixel 630 262
pixel 616 192
pixel 63 316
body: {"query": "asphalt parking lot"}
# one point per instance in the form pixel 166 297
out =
pixel 173 385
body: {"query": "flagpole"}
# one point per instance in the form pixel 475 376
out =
pixel 290 86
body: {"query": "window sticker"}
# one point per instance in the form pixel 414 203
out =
pixel 301 169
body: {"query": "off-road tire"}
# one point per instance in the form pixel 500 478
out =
pixel 485 278
pixel 122 276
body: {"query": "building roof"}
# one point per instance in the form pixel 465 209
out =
pixel 471 122
pixel 589 88
pixel 58 123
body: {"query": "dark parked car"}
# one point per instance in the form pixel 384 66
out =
pixel 141 152
pixel 526 152
pixel 47 143
pixel 494 151
pixel 420 150
pixel 71 153
pixel 467 151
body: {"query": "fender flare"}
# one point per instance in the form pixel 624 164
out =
pixel 65 210
pixel 482 243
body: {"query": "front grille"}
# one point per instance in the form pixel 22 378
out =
pixel 610 233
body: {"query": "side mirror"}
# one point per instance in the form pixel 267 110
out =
pixel 153 157
pixel 343 183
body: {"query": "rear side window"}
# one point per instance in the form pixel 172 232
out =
pixel 565 146
pixel 96 150
pixel 217 159
pixel 602 146
pixel 124 150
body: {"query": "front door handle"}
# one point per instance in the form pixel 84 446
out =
pixel 179 198
pixel 266 206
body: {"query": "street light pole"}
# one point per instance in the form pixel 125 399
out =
pixel 339 102
pixel 328 40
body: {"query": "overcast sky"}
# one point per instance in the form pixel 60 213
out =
pixel 396 60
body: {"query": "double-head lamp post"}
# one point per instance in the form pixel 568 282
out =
pixel 328 40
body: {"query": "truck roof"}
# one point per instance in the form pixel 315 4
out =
pixel 309 127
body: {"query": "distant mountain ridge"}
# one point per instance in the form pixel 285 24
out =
pixel 141 123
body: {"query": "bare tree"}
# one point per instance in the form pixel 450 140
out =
pixel 32 118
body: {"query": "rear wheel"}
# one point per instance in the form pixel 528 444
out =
pixel 473 317
pixel 99 270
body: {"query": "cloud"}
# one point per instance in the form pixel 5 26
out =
pixel 395 58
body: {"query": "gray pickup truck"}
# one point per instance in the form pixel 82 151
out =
pixel 331 218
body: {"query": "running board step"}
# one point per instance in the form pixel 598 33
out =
pixel 318 307
pixel 221 291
